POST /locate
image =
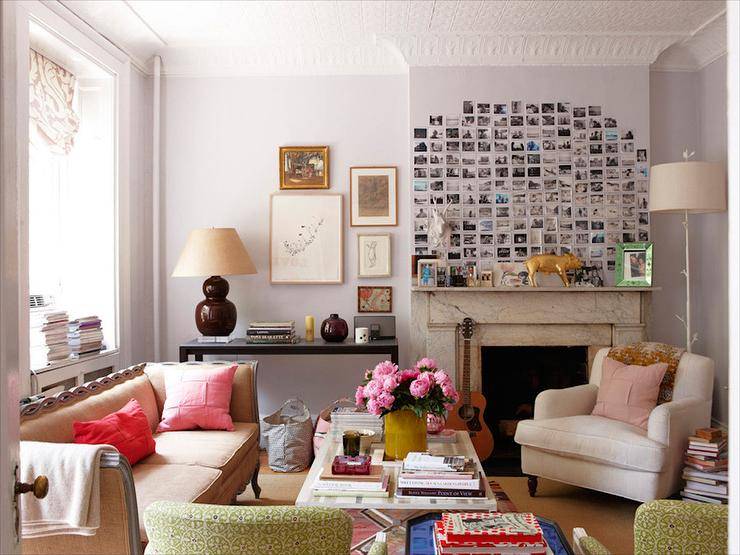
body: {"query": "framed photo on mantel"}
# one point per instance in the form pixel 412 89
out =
pixel 373 196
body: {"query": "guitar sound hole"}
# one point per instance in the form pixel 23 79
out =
pixel 466 412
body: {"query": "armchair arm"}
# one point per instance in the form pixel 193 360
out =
pixel 571 401
pixel 672 423
pixel 184 528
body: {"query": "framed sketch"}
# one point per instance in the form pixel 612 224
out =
pixel 304 167
pixel 634 265
pixel 305 238
pixel 373 196
pixel 426 273
pixel 373 255
pixel 374 299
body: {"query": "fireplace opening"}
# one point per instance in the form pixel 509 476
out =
pixel 511 379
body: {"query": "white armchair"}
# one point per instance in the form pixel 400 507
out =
pixel 564 442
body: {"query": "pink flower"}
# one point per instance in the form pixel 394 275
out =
pixel 359 395
pixel 421 385
pixel 373 388
pixel 441 377
pixel 409 374
pixel 373 407
pixel 448 390
pixel 426 363
pixel 390 383
pixel 385 368
pixel 386 400
pixel 449 406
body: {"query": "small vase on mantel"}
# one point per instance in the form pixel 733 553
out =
pixel 334 329
pixel 405 432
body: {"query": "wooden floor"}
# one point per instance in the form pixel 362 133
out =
pixel 605 517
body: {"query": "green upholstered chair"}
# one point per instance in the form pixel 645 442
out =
pixel 187 528
pixel 666 526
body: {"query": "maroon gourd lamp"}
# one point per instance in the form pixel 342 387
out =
pixel 214 252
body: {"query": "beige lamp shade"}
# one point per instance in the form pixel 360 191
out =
pixel 695 187
pixel 214 252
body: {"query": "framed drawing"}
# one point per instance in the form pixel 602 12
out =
pixel 373 255
pixel 304 167
pixel 374 299
pixel 634 265
pixel 305 238
pixel 373 196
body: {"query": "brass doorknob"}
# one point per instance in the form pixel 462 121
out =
pixel 39 487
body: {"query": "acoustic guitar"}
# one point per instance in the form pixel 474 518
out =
pixel 467 415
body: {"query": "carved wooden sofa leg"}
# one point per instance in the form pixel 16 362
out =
pixel 255 486
pixel 532 485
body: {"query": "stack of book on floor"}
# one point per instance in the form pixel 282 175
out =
pixel 354 418
pixel 706 467
pixel 450 477
pixel 272 332
pixel 55 335
pixel 85 336
pixel 501 533
pixel 372 484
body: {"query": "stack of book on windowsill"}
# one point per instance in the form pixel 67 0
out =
pixel 85 336
pixel 706 467
pixel 55 335
pixel 272 332
pixel 505 533
pixel 331 484
pixel 450 477
pixel 354 418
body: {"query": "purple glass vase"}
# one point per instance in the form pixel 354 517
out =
pixel 334 329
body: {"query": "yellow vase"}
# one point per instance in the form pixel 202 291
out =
pixel 404 432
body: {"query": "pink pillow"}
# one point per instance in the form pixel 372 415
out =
pixel 629 393
pixel 197 399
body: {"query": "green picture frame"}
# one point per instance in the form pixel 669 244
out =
pixel 634 265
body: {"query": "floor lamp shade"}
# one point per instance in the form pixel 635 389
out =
pixel 214 252
pixel 695 187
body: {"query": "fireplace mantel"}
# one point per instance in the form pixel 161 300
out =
pixel 595 317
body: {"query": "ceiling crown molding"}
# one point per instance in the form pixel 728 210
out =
pixel 697 51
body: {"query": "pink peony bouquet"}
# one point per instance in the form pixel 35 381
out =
pixel 422 389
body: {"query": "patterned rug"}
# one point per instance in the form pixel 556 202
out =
pixel 366 523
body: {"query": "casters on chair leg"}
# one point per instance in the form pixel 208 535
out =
pixel 532 485
pixel 255 486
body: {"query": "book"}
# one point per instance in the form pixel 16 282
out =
pixel 710 434
pixel 706 463
pixel 376 474
pixel 458 493
pixel 288 324
pixel 448 542
pixel 436 483
pixel 492 527
pixel 708 488
pixel 700 497
pixel 350 485
pixel 425 461
pixel 215 338
pixel 715 476
pixel 350 493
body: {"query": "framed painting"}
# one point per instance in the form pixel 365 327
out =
pixel 634 265
pixel 374 299
pixel 427 273
pixel 304 167
pixel 305 238
pixel 373 255
pixel 373 196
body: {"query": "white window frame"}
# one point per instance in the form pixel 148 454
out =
pixel 58 21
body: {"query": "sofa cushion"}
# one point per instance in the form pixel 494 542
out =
pixel 212 448
pixel 594 438
pixel 173 482
pixel 56 425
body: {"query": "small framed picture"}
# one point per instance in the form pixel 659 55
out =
pixel 426 273
pixel 373 255
pixel 634 265
pixel 374 299
pixel 373 196
pixel 304 167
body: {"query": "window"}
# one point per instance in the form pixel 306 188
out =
pixel 72 200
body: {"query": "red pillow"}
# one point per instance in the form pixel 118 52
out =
pixel 127 430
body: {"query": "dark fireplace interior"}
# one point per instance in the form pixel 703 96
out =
pixel 512 378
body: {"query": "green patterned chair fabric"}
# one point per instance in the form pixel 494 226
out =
pixel 187 528
pixel 592 546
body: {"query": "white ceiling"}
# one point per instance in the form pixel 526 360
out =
pixel 388 36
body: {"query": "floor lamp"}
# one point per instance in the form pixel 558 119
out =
pixel 688 188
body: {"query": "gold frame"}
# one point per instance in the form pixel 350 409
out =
pixel 341 240
pixel 390 299
pixel 281 158
pixel 390 255
pixel 395 195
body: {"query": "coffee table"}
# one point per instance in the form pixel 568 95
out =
pixel 407 507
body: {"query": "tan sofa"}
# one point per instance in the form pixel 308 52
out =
pixel 202 466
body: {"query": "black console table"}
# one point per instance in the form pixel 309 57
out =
pixel 317 347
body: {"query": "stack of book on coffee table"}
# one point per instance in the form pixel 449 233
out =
pixel 450 477
pixel 331 483
pixel 505 533
pixel 706 467
pixel 272 332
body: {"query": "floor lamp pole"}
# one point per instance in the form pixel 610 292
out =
pixel 687 320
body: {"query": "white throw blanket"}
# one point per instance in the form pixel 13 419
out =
pixel 72 505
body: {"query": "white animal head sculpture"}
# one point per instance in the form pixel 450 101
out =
pixel 439 229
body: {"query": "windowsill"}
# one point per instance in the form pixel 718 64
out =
pixel 75 360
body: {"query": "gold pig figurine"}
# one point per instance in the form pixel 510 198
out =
pixel 551 264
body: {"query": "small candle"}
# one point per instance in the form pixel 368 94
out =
pixel 309 328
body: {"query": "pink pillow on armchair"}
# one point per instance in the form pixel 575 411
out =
pixel 629 393
pixel 197 399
